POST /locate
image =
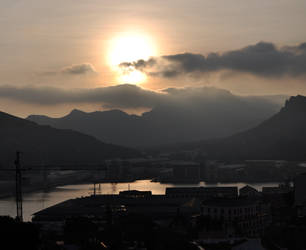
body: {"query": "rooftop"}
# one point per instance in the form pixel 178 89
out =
pixel 99 204
pixel 230 202
pixel 200 189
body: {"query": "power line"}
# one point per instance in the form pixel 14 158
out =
pixel 18 177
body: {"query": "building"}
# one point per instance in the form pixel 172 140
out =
pixel 231 172
pixel 211 171
pixel 248 191
pixel 185 170
pixel 281 189
pixel 135 194
pixel 202 193
pixel 127 203
pixel 300 194
pixel 240 217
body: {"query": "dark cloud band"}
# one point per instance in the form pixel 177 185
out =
pixel 124 96
pixel 262 59
pixel 120 96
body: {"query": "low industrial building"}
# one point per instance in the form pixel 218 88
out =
pixel 202 193
pixel 100 207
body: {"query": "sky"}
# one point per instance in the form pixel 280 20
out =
pixel 56 49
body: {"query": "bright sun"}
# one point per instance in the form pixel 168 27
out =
pixel 130 47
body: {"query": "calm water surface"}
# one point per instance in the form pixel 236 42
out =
pixel 36 201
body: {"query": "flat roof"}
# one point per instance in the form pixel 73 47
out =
pixel 230 202
pixel 96 205
pixel 200 189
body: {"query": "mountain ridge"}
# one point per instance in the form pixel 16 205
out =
pixel 192 118
pixel 43 143
pixel 281 137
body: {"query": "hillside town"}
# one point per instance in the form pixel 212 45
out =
pixel 182 218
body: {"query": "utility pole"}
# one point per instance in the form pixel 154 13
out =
pixel 18 188
pixel 18 178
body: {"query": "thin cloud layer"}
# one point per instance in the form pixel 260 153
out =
pixel 75 69
pixel 120 96
pixel 262 59
pixel 79 69
pixel 124 96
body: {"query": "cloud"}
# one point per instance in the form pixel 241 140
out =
pixel 75 69
pixel 119 96
pixel 125 96
pixel 262 59
pixel 79 69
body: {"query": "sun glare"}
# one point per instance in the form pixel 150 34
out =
pixel 128 48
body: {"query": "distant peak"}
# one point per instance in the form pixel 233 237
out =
pixel 118 111
pixel 295 104
pixel 76 111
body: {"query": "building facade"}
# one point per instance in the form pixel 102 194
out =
pixel 240 217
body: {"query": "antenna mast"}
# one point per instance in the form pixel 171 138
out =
pixel 18 188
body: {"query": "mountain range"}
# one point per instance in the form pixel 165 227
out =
pixel 213 113
pixel 283 136
pixel 46 145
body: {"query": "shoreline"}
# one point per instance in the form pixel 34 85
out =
pixel 52 186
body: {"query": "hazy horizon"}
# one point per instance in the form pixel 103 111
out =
pixel 246 47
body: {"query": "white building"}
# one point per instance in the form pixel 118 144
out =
pixel 244 216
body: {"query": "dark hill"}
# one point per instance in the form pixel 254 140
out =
pixel 283 136
pixel 47 145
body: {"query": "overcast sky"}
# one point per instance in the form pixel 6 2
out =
pixel 245 46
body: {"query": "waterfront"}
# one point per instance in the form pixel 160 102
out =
pixel 38 200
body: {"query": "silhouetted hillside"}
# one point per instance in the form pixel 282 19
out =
pixel 44 144
pixel 283 136
pixel 212 113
